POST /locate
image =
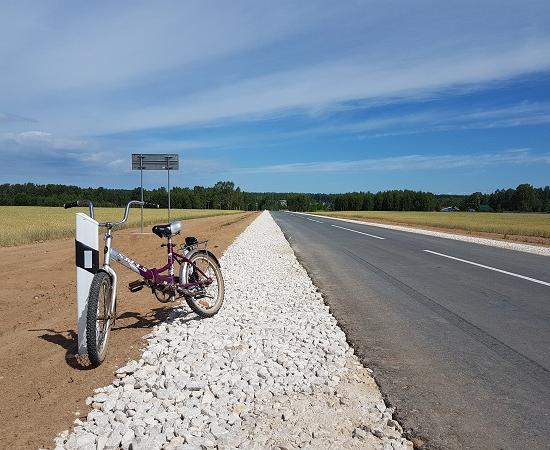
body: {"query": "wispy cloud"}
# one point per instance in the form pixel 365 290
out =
pixel 430 119
pixel 11 118
pixel 37 152
pixel 39 141
pixel 86 48
pixel 409 163
pixel 328 84
pixel 196 63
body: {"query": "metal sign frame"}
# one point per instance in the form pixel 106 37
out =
pixel 155 161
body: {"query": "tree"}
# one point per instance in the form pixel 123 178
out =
pixel 524 198
pixel 298 202
pixel 472 201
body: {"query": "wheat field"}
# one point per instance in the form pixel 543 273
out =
pixel 25 224
pixel 506 224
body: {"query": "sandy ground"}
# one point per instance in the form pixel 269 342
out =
pixel 42 384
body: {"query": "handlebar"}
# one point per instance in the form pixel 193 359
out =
pixel 127 212
pixel 109 224
pixel 81 203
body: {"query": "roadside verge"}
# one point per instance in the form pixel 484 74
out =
pixel 43 385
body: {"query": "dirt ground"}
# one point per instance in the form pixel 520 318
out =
pixel 43 386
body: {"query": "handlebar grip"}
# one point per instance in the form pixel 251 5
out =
pixel 70 204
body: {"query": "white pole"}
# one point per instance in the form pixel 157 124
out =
pixel 87 264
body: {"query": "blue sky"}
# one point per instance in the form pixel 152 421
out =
pixel 316 96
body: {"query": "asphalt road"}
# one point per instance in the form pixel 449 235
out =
pixel 460 349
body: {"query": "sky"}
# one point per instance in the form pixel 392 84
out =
pixel 310 96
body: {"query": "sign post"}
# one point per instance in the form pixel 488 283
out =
pixel 141 184
pixel 87 264
pixel 153 161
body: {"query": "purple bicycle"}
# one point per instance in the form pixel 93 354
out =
pixel 199 281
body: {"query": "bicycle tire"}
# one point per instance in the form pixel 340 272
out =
pixel 210 267
pixel 99 306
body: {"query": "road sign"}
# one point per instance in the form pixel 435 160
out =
pixel 155 161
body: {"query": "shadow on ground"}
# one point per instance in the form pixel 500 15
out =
pixel 68 339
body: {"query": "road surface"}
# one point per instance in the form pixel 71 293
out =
pixel 458 334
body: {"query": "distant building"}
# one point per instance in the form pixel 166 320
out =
pixel 485 208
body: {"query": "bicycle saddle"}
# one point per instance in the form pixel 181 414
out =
pixel 168 230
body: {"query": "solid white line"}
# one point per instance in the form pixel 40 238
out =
pixel 313 220
pixel 534 280
pixel 360 232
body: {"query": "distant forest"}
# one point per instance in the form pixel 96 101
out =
pixel 225 195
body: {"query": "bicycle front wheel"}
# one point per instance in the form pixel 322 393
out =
pixel 98 320
pixel 207 299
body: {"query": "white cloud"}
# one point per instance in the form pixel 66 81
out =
pixel 433 119
pixel 11 118
pixel 108 47
pixel 409 163
pixel 143 65
pixel 39 140
pixel 36 152
pixel 331 83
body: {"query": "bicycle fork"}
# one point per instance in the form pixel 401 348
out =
pixel 107 268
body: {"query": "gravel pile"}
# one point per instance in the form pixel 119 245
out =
pixel 536 250
pixel 270 370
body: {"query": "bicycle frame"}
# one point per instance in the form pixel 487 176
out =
pixel 152 274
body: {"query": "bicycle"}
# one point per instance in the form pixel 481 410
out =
pixel 199 282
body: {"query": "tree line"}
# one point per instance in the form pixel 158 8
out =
pixel 524 198
pixel 225 195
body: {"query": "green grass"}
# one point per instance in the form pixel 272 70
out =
pixel 508 224
pixel 24 224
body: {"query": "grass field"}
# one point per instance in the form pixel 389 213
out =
pixel 506 224
pixel 24 224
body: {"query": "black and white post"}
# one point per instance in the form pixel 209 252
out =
pixel 87 265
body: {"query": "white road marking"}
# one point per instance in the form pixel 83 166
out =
pixel 313 220
pixel 534 280
pixel 360 232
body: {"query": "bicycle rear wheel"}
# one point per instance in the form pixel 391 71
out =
pixel 208 300
pixel 98 320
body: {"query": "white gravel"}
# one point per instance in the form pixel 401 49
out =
pixel 535 249
pixel 270 370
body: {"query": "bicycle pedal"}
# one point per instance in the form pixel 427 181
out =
pixel 135 286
